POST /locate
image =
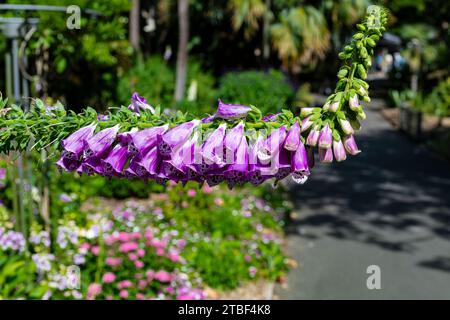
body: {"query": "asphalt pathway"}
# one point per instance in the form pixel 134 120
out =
pixel 388 207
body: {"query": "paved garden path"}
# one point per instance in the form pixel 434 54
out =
pixel 389 206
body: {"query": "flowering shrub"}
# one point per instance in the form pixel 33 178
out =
pixel 170 247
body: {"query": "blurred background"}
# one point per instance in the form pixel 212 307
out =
pixel 388 207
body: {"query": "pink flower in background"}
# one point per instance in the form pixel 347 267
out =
pixel 159 244
pixel 169 289
pixel 174 256
pixel 95 250
pixel 163 276
pixel 184 204
pixel 181 243
pixel 252 271
pixel 123 237
pixel 141 253
pixel 85 246
pixel 124 284
pixel 109 277
pixel 218 202
pixel 123 294
pixel 142 284
pixel 247 258
pixel 140 296
pixel 139 264
pixel 191 193
pixel 138 276
pixel 128 246
pixel 207 189
pixel 136 236
pixel 94 290
pixel 150 274
pixel 112 262
pixel 159 252
pixel 132 256
pixel 148 234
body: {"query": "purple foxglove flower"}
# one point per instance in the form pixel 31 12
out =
pixel 350 145
pixel 67 164
pixel 74 144
pixel 232 141
pixel 346 126
pixel 125 138
pixel 149 165
pixel 133 167
pixel 237 172
pixel 182 159
pixel 325 137
pixel 138 102
pixel 232 111
pixel 115 161
pixel 354 102
pixel 144 140
pixel 299 161
pixel 339 151
pixel 293 138
pixel 209 119
pixel 313 137
pixel 282 165
pixel 271 117
pixel 176 137
pixel 304 112
pixel 255 177
pixel 93 166
pixel 306 123
pixel 272 144
pixel 326 155
pixel 214 179
pixel 212 149
pixel 99 144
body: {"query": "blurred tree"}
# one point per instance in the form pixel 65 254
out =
pixel 134 31
pixel 247 14
pixel 182 57
pixel 301 37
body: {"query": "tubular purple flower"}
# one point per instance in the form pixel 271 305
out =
pixel 346 126
pixel 313 137
pixel 232 141
pixel 138 102
pixel 125 138
pixel 282 165
pixel 254 176
pixel 350 145
pixel 237 172
pixel 306 123
pixel 325 137
pixel 67 164
pixel 212 149
pixel 176 137
pixel 272 144
pixel 232 111
pixel 100 144
pixel 326 155
pixel 113 164
pixel 75 143
pixel 293 137
pixel 299 161
pixel 149 164
pixel 93 166
pixel 144 140
pixel 339 151
pixel 181 159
